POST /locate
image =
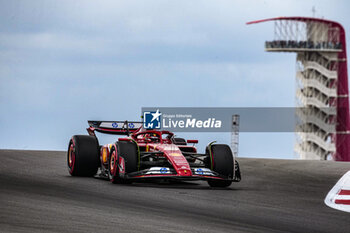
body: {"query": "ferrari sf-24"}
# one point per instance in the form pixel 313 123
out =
pixel 148 154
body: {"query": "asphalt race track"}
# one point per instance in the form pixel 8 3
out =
pixel 38 195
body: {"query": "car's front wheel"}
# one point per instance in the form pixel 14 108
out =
pixel 221 161
pixel 124 159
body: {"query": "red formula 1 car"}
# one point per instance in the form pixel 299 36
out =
pixel 148 154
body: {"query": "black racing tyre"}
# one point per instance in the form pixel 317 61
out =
pixel 113 169
pixel 128 150
pixel 221 161
pixel 83 155
pixel 219 183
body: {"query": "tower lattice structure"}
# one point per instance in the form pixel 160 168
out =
pixel 322 113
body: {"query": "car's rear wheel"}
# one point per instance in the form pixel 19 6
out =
pixel 124 159
pixel 83 155
pixel 113 166
pixel 221 161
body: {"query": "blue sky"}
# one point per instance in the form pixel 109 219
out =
pixel 64 62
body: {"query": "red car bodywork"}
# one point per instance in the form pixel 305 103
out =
pixel 155 144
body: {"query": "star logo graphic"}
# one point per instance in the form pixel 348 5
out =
pixel 152 119
pixel 156 115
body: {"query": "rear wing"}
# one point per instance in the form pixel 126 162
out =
pixel 114 127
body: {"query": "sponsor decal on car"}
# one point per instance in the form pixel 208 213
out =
pixel 158 170
pixel 203 171
pixel 199 171
pixel 163 170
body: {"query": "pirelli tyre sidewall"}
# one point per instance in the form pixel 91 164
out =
pixel 221 161
pixel 113 166
pixel 83 155
pixel 127 151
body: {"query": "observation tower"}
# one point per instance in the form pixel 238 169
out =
pixel 322 113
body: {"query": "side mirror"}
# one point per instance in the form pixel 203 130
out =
pixel 192 141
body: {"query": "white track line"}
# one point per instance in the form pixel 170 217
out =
pixel 339 196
